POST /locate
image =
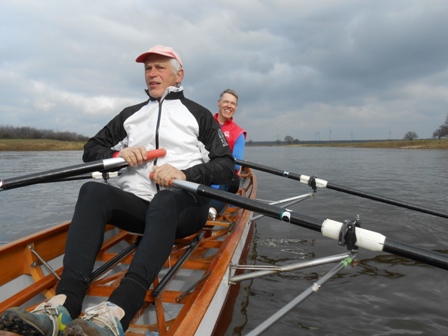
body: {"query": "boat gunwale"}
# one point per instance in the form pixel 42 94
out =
pixel 195 304
pixel 198 307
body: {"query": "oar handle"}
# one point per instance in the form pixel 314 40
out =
pixel 155 153
pixel 57 174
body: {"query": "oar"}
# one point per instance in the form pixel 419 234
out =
pixel 325 184
pixel 367 239
pixel 61 173
pixel 96 175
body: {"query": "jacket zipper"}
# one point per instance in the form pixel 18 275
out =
pixel 157 136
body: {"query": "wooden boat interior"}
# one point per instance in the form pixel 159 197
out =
pixel 185 287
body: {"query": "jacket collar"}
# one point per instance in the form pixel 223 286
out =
pixel 172 92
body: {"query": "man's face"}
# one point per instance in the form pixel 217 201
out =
pixel 227 105
pixel 159 75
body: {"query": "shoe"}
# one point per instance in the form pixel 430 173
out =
pixel 47 319
pixel 212 213
pixel 101 320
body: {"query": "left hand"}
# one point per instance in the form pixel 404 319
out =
pixel 164 174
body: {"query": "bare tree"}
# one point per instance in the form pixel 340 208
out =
pixel 437 134
pixel 444 130
pixel 441 132
pixel 289 139
pixel 411 135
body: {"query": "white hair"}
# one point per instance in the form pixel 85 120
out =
pixel 176 67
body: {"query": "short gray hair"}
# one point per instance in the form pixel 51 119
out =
pixel 230 91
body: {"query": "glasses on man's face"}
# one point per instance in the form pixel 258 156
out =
pixel 229 102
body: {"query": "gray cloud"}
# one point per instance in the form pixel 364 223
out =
pixel 349 69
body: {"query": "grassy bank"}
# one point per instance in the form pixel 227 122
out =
pixel 403 144
pixel 38 145
pixel 50 145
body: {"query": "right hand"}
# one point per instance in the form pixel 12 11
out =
pixel 134 156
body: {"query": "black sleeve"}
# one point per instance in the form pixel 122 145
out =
pixel 220 168
pixel 100 146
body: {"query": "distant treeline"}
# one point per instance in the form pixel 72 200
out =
pixel 10 132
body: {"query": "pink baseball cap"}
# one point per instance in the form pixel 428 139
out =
pixel 160 50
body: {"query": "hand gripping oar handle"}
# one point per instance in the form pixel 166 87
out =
pixel 151 176
pixel 56 174
pixel 369 240
pixel 325 184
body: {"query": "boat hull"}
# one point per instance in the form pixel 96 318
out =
pixel 186 299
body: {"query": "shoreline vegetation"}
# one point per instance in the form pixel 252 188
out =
pixel 39 145
pixel 57 145
pixel 398 144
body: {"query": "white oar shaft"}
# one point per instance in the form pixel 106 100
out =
pixel 319 183
pixel 370 240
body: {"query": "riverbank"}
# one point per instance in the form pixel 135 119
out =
pixel 55 145
pixel 38 145
pixel 402 144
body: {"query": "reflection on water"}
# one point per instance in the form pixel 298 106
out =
pixel 283 250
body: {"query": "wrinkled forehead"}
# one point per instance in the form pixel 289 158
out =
pixel 154 58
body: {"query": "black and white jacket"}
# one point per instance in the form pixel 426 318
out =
pixel 192 138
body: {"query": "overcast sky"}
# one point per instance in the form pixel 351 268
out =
pixel 313 70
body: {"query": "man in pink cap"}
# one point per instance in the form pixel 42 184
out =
pixel 196 151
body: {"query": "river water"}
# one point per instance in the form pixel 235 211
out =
pixel 382 295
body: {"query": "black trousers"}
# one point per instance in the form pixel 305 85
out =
pixel 171 214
